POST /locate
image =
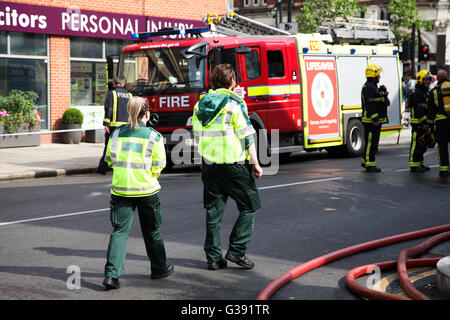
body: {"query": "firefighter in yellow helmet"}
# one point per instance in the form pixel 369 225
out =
pixel 137 155
pixel 374 101
pixel 420 124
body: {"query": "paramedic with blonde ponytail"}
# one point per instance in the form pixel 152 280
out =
pixel 137 156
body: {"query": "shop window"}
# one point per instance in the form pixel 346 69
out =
pixel 26 75
pixel 114 47
pixel 87 83
pixel 88 79
pixel 28 44
pixel 276 64
pixel 3 43
pixel 20 72
pixel 86 48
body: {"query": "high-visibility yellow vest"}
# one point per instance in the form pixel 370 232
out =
pixel 121 119
pixel 137 157
pixel 443 110
pixel 221 140
pixel 445 90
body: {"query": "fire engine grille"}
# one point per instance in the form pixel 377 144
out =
pixel 173 119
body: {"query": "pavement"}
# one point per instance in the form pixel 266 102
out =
pixel 56 159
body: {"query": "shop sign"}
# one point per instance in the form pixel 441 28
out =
pixel 73 21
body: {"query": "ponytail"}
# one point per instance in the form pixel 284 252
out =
pixel 137 108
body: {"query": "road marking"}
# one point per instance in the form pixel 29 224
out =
pixel 54 217
pixel 298 183
pixel 106 209
pixel 402 170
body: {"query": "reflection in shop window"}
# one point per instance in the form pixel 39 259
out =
pixel 28 44
pixel 26 75
pixel 86 48
pixel 114 46
pixel 3 43
pixel 87 83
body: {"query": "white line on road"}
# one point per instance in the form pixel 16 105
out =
pixel 53 217
pixel 402 170
pixel 298 183
pixel 106 209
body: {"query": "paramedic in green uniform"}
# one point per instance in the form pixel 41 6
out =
pixel 137 155
pixel 225 141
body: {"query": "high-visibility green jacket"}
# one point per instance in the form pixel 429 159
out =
pixel 222 127
pixel 137 157
pixel 116 102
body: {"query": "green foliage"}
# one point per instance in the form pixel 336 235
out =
pixel 19 109
pixel 403 14
pixel 20 102
pixel 314 12
pixel 72 116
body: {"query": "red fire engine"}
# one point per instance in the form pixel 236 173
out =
pixel 302 91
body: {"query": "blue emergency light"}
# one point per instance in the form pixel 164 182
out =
pixel 168 32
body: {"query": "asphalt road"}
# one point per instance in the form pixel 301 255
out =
pixel 316 204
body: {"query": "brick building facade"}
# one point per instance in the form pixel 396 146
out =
pixel 58 48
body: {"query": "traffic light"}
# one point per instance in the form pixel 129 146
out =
pixel 424 51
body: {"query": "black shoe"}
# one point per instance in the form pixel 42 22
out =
pixel 373 169
pixel 111 283
pixel 218 265
pixel 167 273
pixel 417 169
pixel 244 262
pixel 443 173
pixel 426 168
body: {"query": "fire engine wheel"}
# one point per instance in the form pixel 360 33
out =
pixel 355 138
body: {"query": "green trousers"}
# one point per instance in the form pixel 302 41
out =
pixel 150 216
pixel 221 181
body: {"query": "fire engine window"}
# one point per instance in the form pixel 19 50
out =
pixel 229 56
pixel 276 64
pixel 162 71
pixel 252 65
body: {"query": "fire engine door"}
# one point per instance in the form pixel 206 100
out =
pixel 284 111
pixel 252 76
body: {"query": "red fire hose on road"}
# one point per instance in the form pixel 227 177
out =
pixel 403 257
pixel 276 284
pixel 352 275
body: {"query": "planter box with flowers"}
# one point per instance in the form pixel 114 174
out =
pixel 18 114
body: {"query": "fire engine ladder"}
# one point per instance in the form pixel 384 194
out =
pixel 357 30
pixel 232 24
